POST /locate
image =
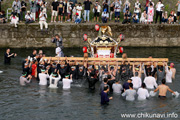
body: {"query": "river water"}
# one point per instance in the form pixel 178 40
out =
pixel 37 103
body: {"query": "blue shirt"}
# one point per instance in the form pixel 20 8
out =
pixel 104 98
pixel 126 85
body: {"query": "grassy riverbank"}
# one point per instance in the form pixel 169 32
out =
pixel 169 5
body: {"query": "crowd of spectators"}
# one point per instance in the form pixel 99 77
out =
pixel 77 12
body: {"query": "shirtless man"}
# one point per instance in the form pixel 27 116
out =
pixel 173 70
pixel 163 89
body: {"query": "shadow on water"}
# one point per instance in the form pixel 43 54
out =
pixel 35 102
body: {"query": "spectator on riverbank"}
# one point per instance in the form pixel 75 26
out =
pixel 43 5
pixel 159 9
pixel 2 17
pixel 96 10
pixel 117 9
pixel 170 19
pixel 23 9
pixel 173 14
pixel 33 9
pixel 42 20
pixel 135 18
pixel 150 13
pixel 111 10
pixel 38 7
pixel 165 17
pixel 105 16
pixel 178 11
pixel 143 18
pixel 74 14
pixel 0 4
pixel 16 6
pixel 78 18
pixel 137 8
pixel 54 10
pixel 87 8
pixel 29 18
pixel 126 5
pixel 106 4
pixel 14 19
pixel 69 12
pixel 66 9
pixel 127 17
pixel 147 5
pixel 60 11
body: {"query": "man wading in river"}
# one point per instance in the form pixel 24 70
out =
pixel 8 56
pixel 163 89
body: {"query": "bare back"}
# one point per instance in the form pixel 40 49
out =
pixel 163 90
pixel 174 72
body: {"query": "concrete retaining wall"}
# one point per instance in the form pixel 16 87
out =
pixel 138 35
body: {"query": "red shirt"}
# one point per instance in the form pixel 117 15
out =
pixel 34 66
pixel 147 1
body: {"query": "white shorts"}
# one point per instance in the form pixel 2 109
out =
pixel 54 13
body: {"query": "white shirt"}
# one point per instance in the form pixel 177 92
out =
pixel 117 88
pixel 136 81
pixel 42 18
pixel 130 94
pixel 79 8
pixel 142 94
pixel 159 6
pixel 67 83
pixel 54 81
pixel 117 5
pixel 43 78
pixel 105 14
pixel 168 75
pixel 137 6
pixel 28 17
pixel 23 81
pixel 58 51
pixel 150 82
pixel 99 9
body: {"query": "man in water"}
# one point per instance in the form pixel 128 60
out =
pixel 43 76
pixel 160 72
pixel 104 96
pixel 163 89
pixel 103 84
pixel 130 93
pixel 173 70
pixel 150 81
pixel 23 79
pixel 8 56
pixel 54 79
pixel 126 84
pixel 67 82
pixel 136 80
pixel 142 92
pixel 117 87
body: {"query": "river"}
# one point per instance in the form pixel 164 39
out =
pixel 37 103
